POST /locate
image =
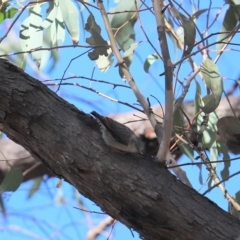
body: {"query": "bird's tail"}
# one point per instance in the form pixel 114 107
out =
pixel 96 115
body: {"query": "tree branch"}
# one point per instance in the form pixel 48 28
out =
pixel 135 190
pixel 168 68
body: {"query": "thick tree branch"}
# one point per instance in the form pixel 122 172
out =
pixel 135 190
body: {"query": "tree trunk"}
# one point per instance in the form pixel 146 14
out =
pixel 131 188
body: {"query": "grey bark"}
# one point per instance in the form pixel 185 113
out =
pixel 131 188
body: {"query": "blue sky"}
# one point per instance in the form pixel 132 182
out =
pixel 41 217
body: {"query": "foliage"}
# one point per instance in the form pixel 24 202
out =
pixel 198 37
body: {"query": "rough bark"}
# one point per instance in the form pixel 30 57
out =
pixel 133 189
pixel 23 160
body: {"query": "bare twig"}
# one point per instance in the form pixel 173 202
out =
pixel 94 232
pixel 168 120
pixel 127 74
pixel 95 91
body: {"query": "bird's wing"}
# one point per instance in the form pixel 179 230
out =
pixel 119 131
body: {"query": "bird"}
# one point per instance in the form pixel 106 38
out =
pixel 118 136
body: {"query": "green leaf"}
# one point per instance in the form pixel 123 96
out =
pixel 231 209
pixel 198 98
pixel 189 33
pixel 130 51
pixel 209 135
pixel 36 34
pixel 95 39
pixel 197 14
pixel 213 81
pixel 228 127
pixel 223 149
pixel 51 16
pixel 180 34
pixel 125 35
pixel 35 186
pixel 123 26
pixel 8 14
pixel 105 62
pixel 12 180
pixel 149 61
pixel 178 121
pixel 60 27
pixel 24 35
pixel 169 20
pixel 71 17
pixel 230 21
pixel 24 43
pixel 178 124
pixel 4 6
pixel 187 150
pixel 200 177
pixel 50 40
pixel 2 206
pixel 214 153
pixel 210 182
pixel 189 30
pixel 233 2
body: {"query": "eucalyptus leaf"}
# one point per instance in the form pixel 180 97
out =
pixel 2 206
pixel 50 40
pixel 209 135
pixel 198 98
pixel 197 14
pixel 50 16
pixel 231 209
pixel 71 18
pixel 189 30
pixel 178 123
pixel 149 61
pixel 95 39
pixel 189 33
pixel 35 186
pixel 130 51
pixel 230 21
pixel 8 14
pixel 59 32
pixel 223 149
pixel 36 34
pixel 105 62
pixel 24 35
pixel 236 2
pixel 125 21
pixel 12 180
pixel 213 81
pixel 123 27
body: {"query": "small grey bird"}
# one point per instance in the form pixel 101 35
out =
pixel 118 136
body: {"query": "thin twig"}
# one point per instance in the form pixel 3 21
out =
pixel 127 73
pixel 168 120
pixel 99 93
pixel 224 180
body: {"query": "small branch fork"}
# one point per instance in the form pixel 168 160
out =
pixel 163 133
